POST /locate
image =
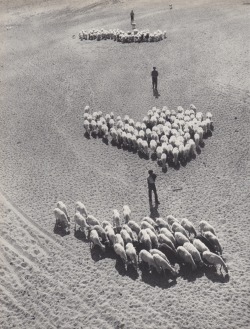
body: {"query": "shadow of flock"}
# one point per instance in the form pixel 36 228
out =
pixel 162 249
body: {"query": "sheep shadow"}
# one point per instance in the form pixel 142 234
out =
pixel 105 141
pixel 187 274
pixel 81 235
pixel 120 266
pixel 208 134
pixel 143 155
pixel 96 253
pixel 156 279
pixel 164 169
pixel 86 135
pixel 212 274
pixel 130 271
pixel 202 144
pixel 60 231
pixel 198 150
pixel 153 157
pixel 156 93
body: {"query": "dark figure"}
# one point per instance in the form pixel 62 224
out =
pixel 154 75
pixel 132 16
pixel 151 187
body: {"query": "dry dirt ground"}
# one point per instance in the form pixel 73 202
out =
pixel 47 77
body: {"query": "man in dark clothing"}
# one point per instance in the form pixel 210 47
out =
pixel 154 75
pixel 151 186
pixel 132 16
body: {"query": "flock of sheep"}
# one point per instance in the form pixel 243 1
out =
pixel 121 36
pixel 154 242
pixel 173 136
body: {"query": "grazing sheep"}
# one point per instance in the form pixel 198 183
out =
pixel 149 220
pixel 153 237
pixel 126 213
pixel 125 236
pixel 145 225
pixel 81 209
pixel 81 221
pixel 163 160
pixel 86 126
pixel 87 109
pixel 164 264
pixel 214 260
pixel 175 155
pixel 134 226
pixel 180 238
pixel 91 220
pixel 61 219
pixel 188 226
pixel 214 241
pixel 106 223
pixel 119 239
pixel 194 252
pixel 131 254
pixel 162 223
pixel 176 227
pixel 171 219
pixel 162 238
pixel 206 242
pixel 63 207
pixel 168 234
pixel 158 252
pixel 144 239
pixel 186 257
pixel 116 219
pixel 101 232
pixel 95 241
pixel 205 227
pixel 168 251
pixel 128 229
pixel 146 257
pixel 111 234
pixel 120 251
pixel 200 246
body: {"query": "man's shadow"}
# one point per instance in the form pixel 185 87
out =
pixel 156 93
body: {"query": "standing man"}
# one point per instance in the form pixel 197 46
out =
pixel 132 16
pixel 151 187
pixel 154 75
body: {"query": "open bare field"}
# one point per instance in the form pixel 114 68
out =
pixel 47 77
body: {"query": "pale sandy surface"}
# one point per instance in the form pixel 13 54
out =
pixel 47 77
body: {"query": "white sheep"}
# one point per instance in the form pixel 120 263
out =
pixel 111 234
pixel 176 227
pixel 101 232
pixel 63 207
pixel 164 264
pixel 116 219
pixel 95 241
pixel 168 234
pixel 146 257
pixel 164 160
pixel 79 206
pixel 131 254
pixel 149 220
pixel 153 146
pixel 193 251
pixel 120 251
pixel 125 236
pixel 145 224
pixel 214 259
pixel 162 223
pixel 200 246
pixel 61 218
pixel 106 223
pixel 162 238
pixel 159 151
pixel 91 220
pixel 134 226
pixel 180 238
pixel 86 126
pixel 171 219
pixel 119 239
pixel 153 237
pixel 87 109
pixel 144 239
pixel 126 213
pixel 81 221
pixel 204 226
pixel 214 241
pixel 188 226
pixel 186 257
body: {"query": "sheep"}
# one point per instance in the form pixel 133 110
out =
pixel 180 238
pixel 87 109
pixel 204 226
pixel 146 257
pixel 144 239
pixel 63 207
pixel 116 219
pixel 101 232
pixel 106 223
pixel 168 234
pixel 159 151
pixel 164 264
pixel 91 220
pixel 86 126
pixel 175 155
pixel 79 206
pixel 163 160
pixel 200 246
pixel 61 219
pixel 188 226
pixel 214 260
pixel 196 139
pixel 145 225
pixel 134 226
pixel 158 252
pixel 149 220
pixel 186 257
pixel 176 227
pixel 81 221
pixel 171 219
pixel 128 229
pixel 162 223
pixel 95 241
pixel 153 146
pixel 162 238
pixel 105 131
pixel 126 213
pixel 214 241
pixel 194 252
pixel 145 148
pixel 168 251
pixel 120 251
pixel 131 254
pixel 153 237
pixel 125 236
pixel 119 239
pixel 111 234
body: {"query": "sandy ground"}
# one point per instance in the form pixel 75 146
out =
pixel 47 77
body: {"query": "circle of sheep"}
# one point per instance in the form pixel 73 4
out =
pixel 170 136
pixel 159 243
pixel 121 36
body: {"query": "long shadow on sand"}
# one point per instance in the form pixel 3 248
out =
pixel 130 271
pixel 215 276
pixel 60 231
